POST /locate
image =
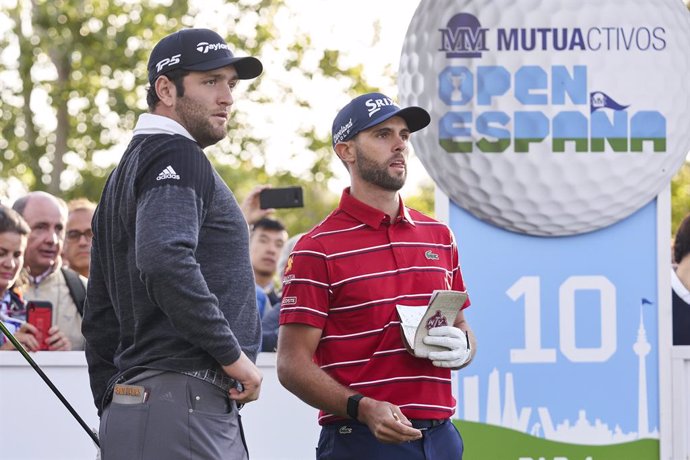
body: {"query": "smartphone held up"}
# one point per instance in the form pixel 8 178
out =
pixel 40 314
pixel 283 197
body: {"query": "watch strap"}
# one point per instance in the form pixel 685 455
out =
pixel 353 405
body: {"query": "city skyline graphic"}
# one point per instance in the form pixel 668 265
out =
pixel 502 407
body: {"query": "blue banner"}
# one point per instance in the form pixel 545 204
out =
pixel 567 330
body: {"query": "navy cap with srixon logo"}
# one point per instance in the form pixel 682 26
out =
pixel 370 109
pixel 198 49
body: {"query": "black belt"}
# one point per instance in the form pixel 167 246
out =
pixel 424 424
pixel 420 424
pixel 218 378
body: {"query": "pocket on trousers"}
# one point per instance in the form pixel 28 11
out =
pixel 214 430
pixel 324 449
pixel 215 436
pixel 204 398
pixel 123 431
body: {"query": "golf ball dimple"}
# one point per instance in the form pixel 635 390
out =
pixel 550 118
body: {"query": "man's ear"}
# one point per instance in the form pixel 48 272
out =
pixel 346 152
pixel 166 90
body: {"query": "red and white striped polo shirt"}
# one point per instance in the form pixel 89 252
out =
pixel 347 275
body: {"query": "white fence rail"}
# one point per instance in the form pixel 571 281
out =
pixel 680 387
pixel 35 425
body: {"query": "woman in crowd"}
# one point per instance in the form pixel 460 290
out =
pixel 13 236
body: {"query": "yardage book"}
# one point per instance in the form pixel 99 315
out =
pixel 415 322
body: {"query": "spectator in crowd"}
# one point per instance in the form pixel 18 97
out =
pixel 171 322
pixel 13 236
pixel 77 251
pixel 269 323
pixel 48 279
pixel 680 283
pixel 268 236
pixel 340 347
pixel 251 209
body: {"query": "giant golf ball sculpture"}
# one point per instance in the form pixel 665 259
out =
pixel 550 118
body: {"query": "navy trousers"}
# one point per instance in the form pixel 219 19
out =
pixel 354 441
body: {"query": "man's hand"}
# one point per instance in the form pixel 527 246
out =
pixel 251 208
pixel 57 341
pixel 248 375
pixel 455 339
pixel 386 422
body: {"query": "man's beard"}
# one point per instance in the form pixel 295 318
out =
pixel 378 174
pixel 195 120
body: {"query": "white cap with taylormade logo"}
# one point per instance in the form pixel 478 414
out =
pixel 198 49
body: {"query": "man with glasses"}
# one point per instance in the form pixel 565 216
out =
pixel 47 217
pixel 77 252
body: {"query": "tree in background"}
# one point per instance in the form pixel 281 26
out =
pixel 73 77
pixel 680 196
pixel 71 73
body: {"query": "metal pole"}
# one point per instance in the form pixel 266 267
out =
pixel 45 378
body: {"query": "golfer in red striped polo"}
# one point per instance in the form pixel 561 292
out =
pixel 340 347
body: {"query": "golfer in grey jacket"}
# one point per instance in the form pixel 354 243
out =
pixel 171 323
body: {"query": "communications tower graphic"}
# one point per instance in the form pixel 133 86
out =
pixel 642 349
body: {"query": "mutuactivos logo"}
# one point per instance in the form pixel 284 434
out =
pixel 465 37
pixel 550 98
pixel 205 47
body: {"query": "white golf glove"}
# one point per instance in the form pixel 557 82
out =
pixel 456 340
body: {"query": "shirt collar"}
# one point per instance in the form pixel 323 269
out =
pixel 36 280
pixel 150 123
pixel 679 287
pixel 366 214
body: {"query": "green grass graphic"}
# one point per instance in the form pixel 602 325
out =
pixel 488 442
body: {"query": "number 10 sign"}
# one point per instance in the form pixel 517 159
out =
pixel 567 356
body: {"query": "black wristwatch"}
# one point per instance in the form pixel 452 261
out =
pixel 353 405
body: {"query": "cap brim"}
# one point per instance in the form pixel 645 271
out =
pixel 415 117
pixel 247 67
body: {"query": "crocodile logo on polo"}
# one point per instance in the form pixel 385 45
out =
pixel 431 255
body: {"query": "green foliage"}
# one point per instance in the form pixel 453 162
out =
pixel 71 98
pixel 680 196
pixel 421 199
pixel 82 64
